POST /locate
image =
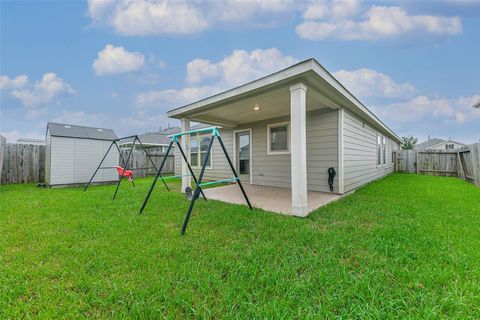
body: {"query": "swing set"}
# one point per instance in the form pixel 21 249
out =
pixel 123 170
pixel 193 195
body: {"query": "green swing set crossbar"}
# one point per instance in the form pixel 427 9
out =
pixel 218 181
pixel 213 130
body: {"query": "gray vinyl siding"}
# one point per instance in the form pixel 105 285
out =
pixel 275 170
pixel 322 149
pixel 360 153
pixel 73 161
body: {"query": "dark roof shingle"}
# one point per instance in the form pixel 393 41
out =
pixel 83 132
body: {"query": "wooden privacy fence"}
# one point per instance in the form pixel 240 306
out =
pixel 463 163
pixel 139 160
pixel 25 163
pixel 22 163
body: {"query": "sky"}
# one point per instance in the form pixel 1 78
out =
pixel 123 64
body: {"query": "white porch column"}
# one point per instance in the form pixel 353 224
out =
pixel 186 179
pixel 298 148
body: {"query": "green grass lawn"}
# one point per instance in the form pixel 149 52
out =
pixel 405 246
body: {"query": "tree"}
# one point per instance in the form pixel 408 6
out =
pixel 408 142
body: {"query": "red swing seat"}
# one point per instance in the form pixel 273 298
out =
pixel 124 173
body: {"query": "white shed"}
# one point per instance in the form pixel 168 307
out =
pixel 74 152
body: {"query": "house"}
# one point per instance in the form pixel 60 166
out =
pixel 74 152
pixel 36 142
pixel 284 131
pixel 153 141
pixel 439 144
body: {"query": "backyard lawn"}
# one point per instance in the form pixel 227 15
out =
pixel 405 246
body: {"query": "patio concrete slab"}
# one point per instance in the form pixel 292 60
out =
pixel 268 198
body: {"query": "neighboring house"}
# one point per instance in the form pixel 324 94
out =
pixel 153 141
pixel 74 152
pixel 439 144
pixel 37 142
pixel 286 129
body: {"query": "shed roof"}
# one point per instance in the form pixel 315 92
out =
pixel 154 138
pixel 83 132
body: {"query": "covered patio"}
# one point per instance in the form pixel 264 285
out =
pixel 285 96
pixel 268 198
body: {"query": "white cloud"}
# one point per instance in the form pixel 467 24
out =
pixel 334 9
pixel 439 110
pixel 239 67
pixel 148 17
pixel 50 87
pixel 70 117
pixel 257 13
pixel 18 82
pixel 159 17
pixel 370 83
pixel 166 99
pixel 114 60
pixel 13 136
pixel 206 78
pixel 380 22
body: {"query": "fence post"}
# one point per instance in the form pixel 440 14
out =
pixel 475 156
pixel 416 161
pixel 3 143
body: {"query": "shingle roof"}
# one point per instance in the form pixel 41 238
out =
pixel 162 137
pixel 154 138
pixel 427 144
pixel 74 131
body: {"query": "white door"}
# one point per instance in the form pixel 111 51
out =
pixel 243 155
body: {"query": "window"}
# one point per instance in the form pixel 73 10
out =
pixel 392 147
pixel 278 138
pixel 198 150
pixel 384 152
pixel 379 150
pixel 450 146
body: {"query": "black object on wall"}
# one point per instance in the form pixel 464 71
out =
pixel 331 176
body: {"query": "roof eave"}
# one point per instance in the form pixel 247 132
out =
pixel 297 70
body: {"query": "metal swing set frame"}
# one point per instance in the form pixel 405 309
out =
pixel 124 163
pixel 198 182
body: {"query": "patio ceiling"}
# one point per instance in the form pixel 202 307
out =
pixel 271 104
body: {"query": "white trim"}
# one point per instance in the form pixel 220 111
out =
pixel 384 151
pixel 235 151
pixel 274 125
pixel 298 86
pixel 341 181
pixel 199 135
pixel 379 165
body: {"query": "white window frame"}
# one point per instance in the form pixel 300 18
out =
pixel 392 160
pixel 275 125
pixel 198 137
pixel 378 145
pixel 384 151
